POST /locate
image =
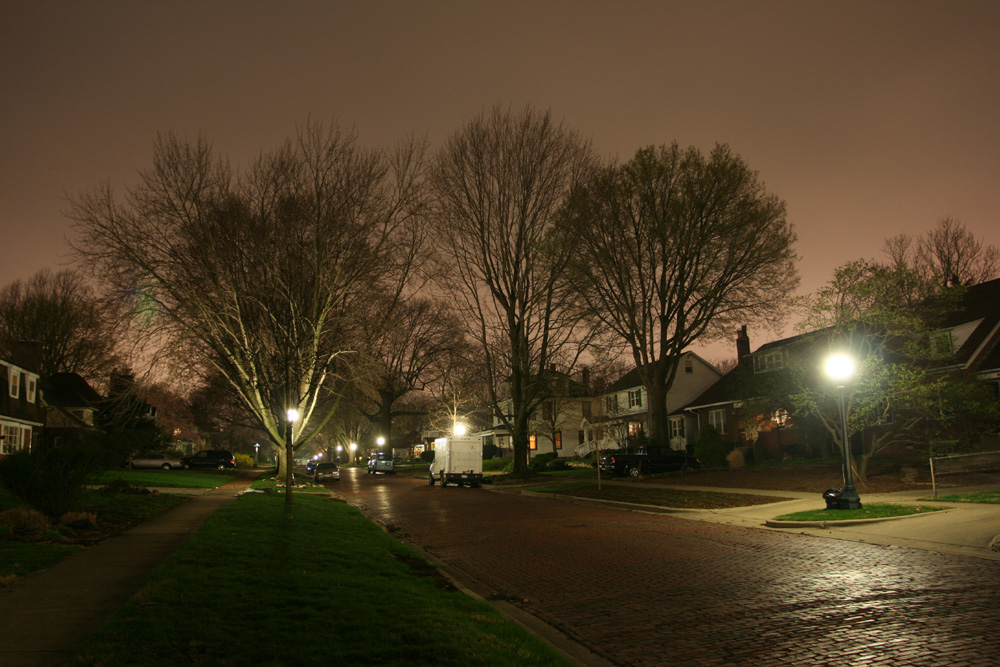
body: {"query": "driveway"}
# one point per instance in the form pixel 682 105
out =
pixel 653 589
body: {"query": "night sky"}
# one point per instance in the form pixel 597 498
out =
pixel 868 118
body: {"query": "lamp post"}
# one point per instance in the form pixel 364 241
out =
pixel 256 451
pixel 340 448
pixel 840 367
pixel 354 447
pixel 293 416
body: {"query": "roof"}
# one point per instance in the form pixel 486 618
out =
pixel 632 379
pixel 69 390
pixel 980 302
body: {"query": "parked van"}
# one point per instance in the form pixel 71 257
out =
pixel 457 460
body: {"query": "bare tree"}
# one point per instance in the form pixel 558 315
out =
pixel 672 247
pixel 949 254
pixel 408 343
pixel 500 182
pixel 255 273
pixel 77 333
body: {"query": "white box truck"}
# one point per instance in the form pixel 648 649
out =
pixel 457 460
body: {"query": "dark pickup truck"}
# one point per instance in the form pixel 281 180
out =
pixel 646 461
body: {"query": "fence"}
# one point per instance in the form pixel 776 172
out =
pixel 979 469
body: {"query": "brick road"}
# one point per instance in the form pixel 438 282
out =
pixel 644 589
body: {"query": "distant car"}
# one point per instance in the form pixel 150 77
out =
pixel 311 465
pixel 380 462
pixel 210 458
pixel 326 470
pixel 155 460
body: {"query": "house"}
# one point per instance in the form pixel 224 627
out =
pixel 972 333
pixel 558 422
pixel 969 337
pixel 20 409
pixel 70 406
pixel 625 405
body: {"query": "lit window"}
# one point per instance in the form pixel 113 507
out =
pixel 532 442
pixel 558 439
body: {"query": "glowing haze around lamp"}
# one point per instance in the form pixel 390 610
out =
pixel 459 429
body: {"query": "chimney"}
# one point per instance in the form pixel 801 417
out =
pixel 585 379
pixel 28 355
pixel 742 344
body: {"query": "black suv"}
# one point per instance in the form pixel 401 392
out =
pixel 210 458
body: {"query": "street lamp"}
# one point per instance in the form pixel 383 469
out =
pixel 354 447
pixel 340 448
pixel 459 429
pixel 380 441
pixel 840 368
pixel 256 451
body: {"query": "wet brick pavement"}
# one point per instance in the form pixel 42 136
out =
pixel 642 589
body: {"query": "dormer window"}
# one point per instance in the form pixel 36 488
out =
pixel 15 383
pixel 31 390
pixel 764 362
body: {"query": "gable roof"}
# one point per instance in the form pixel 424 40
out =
pixel 69 390
pixel 980 302
pixel 631 379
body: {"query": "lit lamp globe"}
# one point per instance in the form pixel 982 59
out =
pixel 293 415
pixel 380 441
pixel 840 367
pixel 459 429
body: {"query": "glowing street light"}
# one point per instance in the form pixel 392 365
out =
pixel 840 368
pixel 293 415
pixel 459 429
pixel 380 441
pixel 353 447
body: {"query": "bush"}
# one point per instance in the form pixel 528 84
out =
pixel 24 521
pixel 736 458
pixel 428 456
pixel 709 448
pixel 490 451
pixel 759 451
pixel 557 464
pixel 50 480
pixel 541 461
pixel 243 461
pixel 498 465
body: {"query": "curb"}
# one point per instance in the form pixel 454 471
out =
pixel 773 523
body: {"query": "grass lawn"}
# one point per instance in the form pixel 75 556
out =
pixel 178 479
pixel 991 497
pixel 320 586
pixel 643 495
pixel 115 513
pixel 873 511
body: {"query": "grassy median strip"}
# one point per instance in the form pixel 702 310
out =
pixel 319 586
pixel 989 497
pixel 660 497
pixel 873 511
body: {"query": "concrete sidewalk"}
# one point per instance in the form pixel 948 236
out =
pixel 49 615
pixel 968 529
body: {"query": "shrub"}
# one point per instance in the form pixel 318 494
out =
pixel 51 480
pixel 243 461
pixel 736 458
pixel 759 451
pixel 428 456
pixel 498 465
pixel 541 461
pixel 709 448
pixel 24 521
pixel 490 451
pixel 557 464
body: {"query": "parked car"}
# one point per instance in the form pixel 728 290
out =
pixel 647 461
pixel 311 465
pixel 381 462
pixel 155 460
pixel 326 470
pixel 210 458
